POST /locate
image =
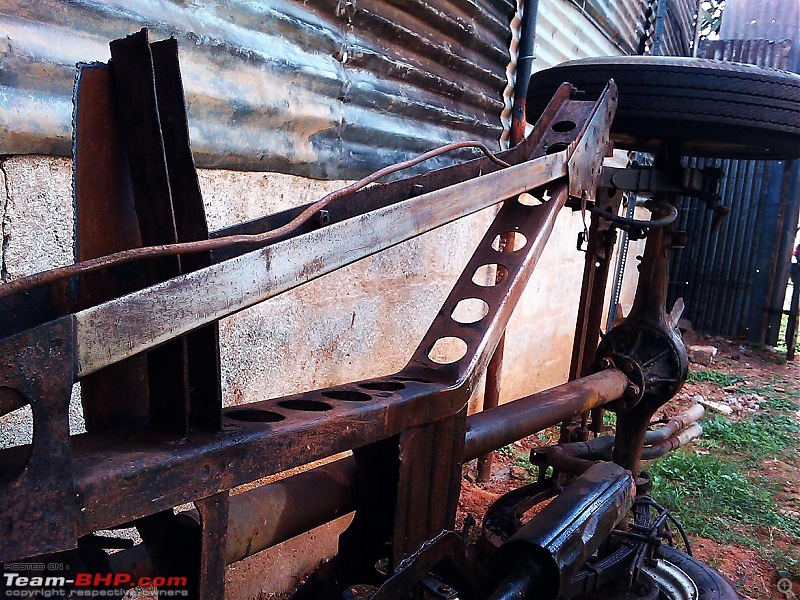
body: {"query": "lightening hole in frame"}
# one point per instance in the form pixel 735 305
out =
pixel 470 310
pixel 527 199
pixel 447 350
pixel 520 241
pixel 489 275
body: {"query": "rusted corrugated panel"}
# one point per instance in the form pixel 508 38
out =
pixel 622 21
pixel 327 89
pixel 725 276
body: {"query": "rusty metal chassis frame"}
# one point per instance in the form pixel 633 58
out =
pixel 184 450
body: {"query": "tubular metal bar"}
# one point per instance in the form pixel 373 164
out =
pixel 512 421
pixel 273 513
pixel 681 438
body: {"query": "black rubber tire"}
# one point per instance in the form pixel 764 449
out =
pixel 710 584
pixel 712 108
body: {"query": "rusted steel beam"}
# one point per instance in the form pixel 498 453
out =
pixel 491 399
pixel 103 227
pixel 599 252
pixel 137 105
pixel 273 513
pixel 114 330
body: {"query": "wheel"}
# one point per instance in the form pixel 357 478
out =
pixel 681 577
pixel 712 108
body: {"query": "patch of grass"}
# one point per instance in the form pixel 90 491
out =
pixel 713 376
pixel 507 451
pixel 769 434
pixel 781 345
pixel 785 559
pixel 779 403
pixel 525 463
pixel 722 494
pixel 711 496
pixel 519 459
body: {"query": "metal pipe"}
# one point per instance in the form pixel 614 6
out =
pixel 512 421
pixel 491 395
pixel 657 442
pixel 518 584
pixel 525 56
pixel 681 439
pixel 278 511
pixel 491 400
pixel 675 424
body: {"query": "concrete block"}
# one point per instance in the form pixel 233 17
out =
pixel 702 355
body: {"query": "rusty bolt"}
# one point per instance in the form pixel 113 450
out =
pixel 323 217
pixel 632 390
pixel 445 589
pixel 606 363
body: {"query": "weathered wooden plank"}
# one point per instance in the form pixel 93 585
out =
pixel 115 330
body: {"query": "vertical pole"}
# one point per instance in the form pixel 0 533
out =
pixel 494 371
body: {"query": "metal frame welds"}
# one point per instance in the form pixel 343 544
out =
pixel 141 338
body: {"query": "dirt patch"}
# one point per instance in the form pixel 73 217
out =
pixel 753 576
pixel 733 380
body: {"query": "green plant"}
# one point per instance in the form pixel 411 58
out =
pixel 713 496
pixel 712 376
pixel 507 451
pixel 768 434
pixel 785 559
pixel 525 463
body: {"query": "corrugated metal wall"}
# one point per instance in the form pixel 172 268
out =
pixel 726 277
pixel 760 19
pixel 565 32
pixel 623 21
pixel 329 89
pixel 673 28
pixel 299 87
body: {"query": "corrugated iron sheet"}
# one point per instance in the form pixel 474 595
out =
pixel 753 52
pixel 760 19
pixel 726 277
pixel 329 89
pixel 673 27
pixel 623 21
pixel 565 32
pixel 301 87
